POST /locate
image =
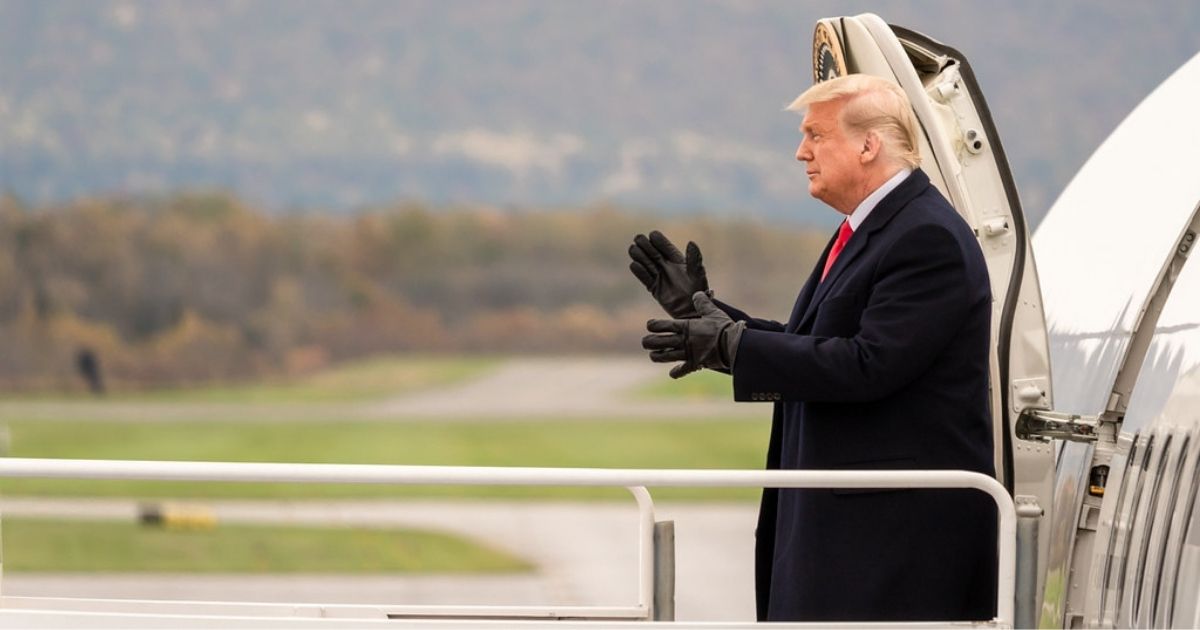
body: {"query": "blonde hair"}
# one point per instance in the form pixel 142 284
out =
pixel 872 104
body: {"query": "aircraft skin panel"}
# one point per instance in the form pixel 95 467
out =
pixel 1165 403
pixel 1145 526
pixel 1111 534
pixel 1104 241
pixel 1168 385
pixel 1161 555
pixel 1061 532
pixel 1134 206
pixel 1181 600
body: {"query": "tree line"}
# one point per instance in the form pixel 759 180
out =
pixel 194 287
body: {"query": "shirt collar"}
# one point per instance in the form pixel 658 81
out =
pixel 860 213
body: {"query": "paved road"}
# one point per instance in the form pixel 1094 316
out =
pixel 585 554
pixel 523 388
pixel 558 387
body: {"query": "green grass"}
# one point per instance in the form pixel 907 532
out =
pixel 355 381
pixel 33 545
pixel 596 443
pixel 702 385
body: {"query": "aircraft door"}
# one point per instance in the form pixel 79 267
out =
pixel 964 158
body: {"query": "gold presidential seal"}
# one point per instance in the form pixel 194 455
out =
pixel 828 61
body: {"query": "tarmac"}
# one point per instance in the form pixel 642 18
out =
pixel 525 388
pixel 561 388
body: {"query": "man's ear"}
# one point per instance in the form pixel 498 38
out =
pixel 871 145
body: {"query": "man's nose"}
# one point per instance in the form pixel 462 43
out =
pixel 802 153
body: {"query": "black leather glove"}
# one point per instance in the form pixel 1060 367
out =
pixel 707 341
pixel 670 277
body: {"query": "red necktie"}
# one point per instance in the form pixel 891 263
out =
pixel 844 234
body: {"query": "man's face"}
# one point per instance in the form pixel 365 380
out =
pixel 832 159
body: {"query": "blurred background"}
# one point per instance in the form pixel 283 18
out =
pixel 395 232
pixel 227 190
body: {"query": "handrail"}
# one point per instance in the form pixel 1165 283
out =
pixel 591 477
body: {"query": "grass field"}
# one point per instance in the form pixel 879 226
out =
pixel 703 385
pixel 596 443
pixel 349 382
pixel 318 419
pixel 108 546
pixel 321 419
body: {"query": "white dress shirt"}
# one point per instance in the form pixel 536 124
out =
pixel 860 213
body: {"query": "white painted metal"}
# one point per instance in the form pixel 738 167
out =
pixel 1105 240
pixel 1133 215
pixel 25 620
pixel 250 610
pixel 636 480
pixel 1169 377
pixel 645 550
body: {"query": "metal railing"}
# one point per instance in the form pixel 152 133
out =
pixel 635 481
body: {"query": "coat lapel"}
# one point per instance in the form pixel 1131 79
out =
pixel 806 293
pixel 879 217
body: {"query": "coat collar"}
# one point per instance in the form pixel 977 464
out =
pixel 883 213
pixel 860 214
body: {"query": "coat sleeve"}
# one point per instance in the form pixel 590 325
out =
pixel 752 323
pixel 917 301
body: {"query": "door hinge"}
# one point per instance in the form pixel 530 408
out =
pixel 1044 425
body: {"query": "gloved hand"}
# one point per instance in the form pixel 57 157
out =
pixel 707 341
pixel 668 275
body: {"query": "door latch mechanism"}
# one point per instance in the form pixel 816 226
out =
pixel 1044 425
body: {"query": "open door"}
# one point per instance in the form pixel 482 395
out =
pixel 963 156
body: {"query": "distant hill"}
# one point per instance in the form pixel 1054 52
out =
pixel 673 105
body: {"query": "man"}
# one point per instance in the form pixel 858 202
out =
pixel 883 364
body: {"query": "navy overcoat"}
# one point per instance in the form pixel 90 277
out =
pixel 883 365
